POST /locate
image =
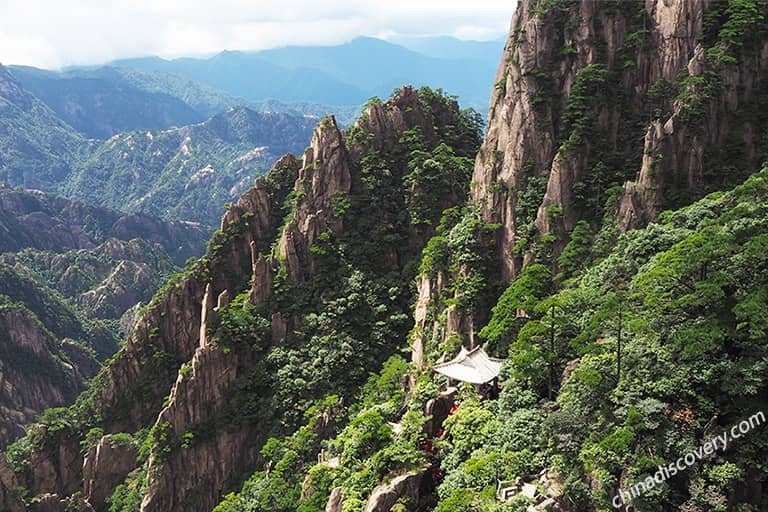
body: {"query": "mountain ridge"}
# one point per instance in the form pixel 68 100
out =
pixel 334 67
pixel 225 152
pixel 115 107
pixel 71 276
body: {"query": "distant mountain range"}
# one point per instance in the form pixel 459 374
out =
pixel 186 173
pixel 102 102
pixel 346 74
pixel 154 93
pixel 186 136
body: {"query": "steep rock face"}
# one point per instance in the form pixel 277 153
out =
pixel 171 326
pixel 325 181
pixel 35 371
pixel 323 177
pixel 186 478
pixel 714 121
pixel 190 477
pixel 335 500
pixel 578 85
pixel 676 27
pixel 194 476
pixel 105 466
pixel 56 466
pixel 387 122
pixel 384 497
pixel 428 330
pixel 522 139
pixel 9 499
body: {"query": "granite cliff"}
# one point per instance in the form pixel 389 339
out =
pixel 604 114
pixel 197 369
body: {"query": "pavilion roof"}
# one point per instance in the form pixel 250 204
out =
pixel 473 366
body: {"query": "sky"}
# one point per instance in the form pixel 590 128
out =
pixel 56 33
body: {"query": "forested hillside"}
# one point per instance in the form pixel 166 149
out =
pixel 99 108
pixel 661 339
pixel 185 173
pixel 73 279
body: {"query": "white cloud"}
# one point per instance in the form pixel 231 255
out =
pixel 55 33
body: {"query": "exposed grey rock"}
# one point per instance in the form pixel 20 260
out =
pixel 10 501
pixel 385 496
pixel 335 500
pixel 106 465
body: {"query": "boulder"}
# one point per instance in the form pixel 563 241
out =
pixel 384 497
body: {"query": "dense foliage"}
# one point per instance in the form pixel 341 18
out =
pixel 353 312
pixel 357 303
pixel 687 298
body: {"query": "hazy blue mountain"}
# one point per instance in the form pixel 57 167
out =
pixel 346 74
pixel 205 99
pixel 253 78
pixel 99 107
pixel 446 47
pixel 210 101
pixel 103 101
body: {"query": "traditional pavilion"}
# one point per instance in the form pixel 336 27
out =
pixel 472 366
